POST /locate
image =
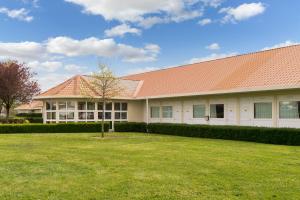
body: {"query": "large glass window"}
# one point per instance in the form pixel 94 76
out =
pixel 263 110
pixel 82 115
pixel 167 111
pixel 90 106
pixel 51 115
pixel 81 105
pixel 70 115
pixel 90 115
pixel 70 105
pixel 50 105
pixel 62 116
pixel 120 111
pixel 154 112
pixel 198 111
pixel 100 105
pixel 62 105
pixel 289 110
pixel 108 106
pixel 217 110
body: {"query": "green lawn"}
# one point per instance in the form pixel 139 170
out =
pixel 139 166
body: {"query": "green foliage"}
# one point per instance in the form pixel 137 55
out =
pixel 12 121
pixel 285 136
pixel 131 127
pixel 30 115
pixel 52 128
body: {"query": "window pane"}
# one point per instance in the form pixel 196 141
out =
pixel 217 110
pixel 124 115
pixel 154 112
pixel 54 115
pixel 124 106
pixel 117 106
pixel 48 106
pixel 100 106
pixel 107 115
pixel 53 106
pixel 289 110
pixel 81 105
pixel 167 112
pixel 100 115
pixel 71 105
pixel 108 106
pixel 263 110
pixel 62 116
pixel 117 115
pixel 49 115
pixel 70 115
pixel 90 115
pixel 82 115
pixel 198 111
pixel 62 105
pixel 90 105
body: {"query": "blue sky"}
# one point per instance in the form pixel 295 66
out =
pixel 61 38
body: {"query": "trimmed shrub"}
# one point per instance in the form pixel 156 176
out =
pixel 12 121
pixel 52 128
pixel 131 127
pixel 285 136
pixel 30 115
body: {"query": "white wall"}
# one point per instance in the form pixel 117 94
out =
pixel 239 109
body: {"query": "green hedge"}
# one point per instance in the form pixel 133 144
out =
pixel 285 136
pixel 52 128
pixel 131 127
pixel 30 115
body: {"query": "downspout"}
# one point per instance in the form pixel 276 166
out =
pixel 147 113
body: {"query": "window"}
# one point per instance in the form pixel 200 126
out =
pixel 124 106
pixel 100 106
pixel 51 115
pixel 90 106
pixel 82 115
pixel 167 111
pixel 198 111
pixel 289 110
pixel 107 115
pixel 154 112
pixel 70 105
pixel 62 105
pixel 100 115
pixel 263 110
pixel 62 116
pixel 217 110
pixel 120 110
pixel 50 105
pixel 124 115
pixel 81 105
pixel 90 115
pixel 108 106
pixel 117 106
pixel 70 115
pixel 117 115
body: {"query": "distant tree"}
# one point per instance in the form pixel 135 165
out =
pixel 16 84
pixel 107 85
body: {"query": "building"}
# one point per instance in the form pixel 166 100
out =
pixel 32 107
pixel 255 89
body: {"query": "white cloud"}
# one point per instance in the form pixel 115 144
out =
pixel 283 44
pixel 25 51
pixel 213 3
pixel 48 66
pixel 213 56
pixel 21 14
pixel 213 46
pixel 51 79
pixel 75 68
pixel 242 12
pixel 205 21
pixel 103 48
pixel 121 30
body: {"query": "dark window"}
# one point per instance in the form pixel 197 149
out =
pixel 81 105
pixel 108 106
pixel 124 106
pixel 117 115
pixel 217 110
pixel 124 115
pixel 107 115
pixel 100 106
pixel 118 106
pixel 100 115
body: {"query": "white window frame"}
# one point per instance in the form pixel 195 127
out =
pixel 170 115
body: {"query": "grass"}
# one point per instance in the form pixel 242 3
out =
pixel 139 166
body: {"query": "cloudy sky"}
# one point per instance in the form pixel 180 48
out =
pixel 61 38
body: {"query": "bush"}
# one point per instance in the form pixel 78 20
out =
pixel 12 121
pixel 52 128
pixel 285 136
pixel 131 127
pixel 30 115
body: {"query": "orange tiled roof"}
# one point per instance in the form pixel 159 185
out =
pixel 81 86
pixel 265 70
pixel 276 68
pixel 34 105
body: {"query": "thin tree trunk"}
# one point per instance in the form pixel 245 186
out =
pixel 103 116
pixel 7 107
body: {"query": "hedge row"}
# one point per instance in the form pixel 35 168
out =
pixel 284 136
pixel 12 121
pixel 131 127
pixel 30 115
pixel 52 128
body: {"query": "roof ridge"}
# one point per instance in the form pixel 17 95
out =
pixel 233 56
pixel 59 85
